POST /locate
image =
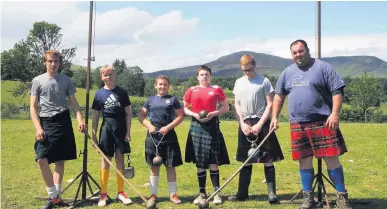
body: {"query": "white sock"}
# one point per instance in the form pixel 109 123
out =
pixel 154 184
pixel 52 193
pixel 58 188
pixel 172 187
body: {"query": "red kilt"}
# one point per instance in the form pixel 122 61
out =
pixel 315 139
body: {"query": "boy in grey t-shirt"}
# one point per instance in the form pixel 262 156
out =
pixel 253 99
pixel 54 138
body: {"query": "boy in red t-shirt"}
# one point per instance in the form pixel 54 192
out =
pixel 205 143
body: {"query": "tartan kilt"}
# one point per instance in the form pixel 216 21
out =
pixel 169 149
pixel 205 144
pixel 271 146
pixel 315 139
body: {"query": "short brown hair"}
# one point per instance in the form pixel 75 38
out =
pixel 51 53
pixel 105 68
pixel 161 77
pixel 203 67
pixel 300 41
pixel 247 59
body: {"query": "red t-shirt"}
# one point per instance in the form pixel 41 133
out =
pixel 204 98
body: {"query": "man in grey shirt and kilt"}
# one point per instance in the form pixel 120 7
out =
pixel 253 99
pixel 54 138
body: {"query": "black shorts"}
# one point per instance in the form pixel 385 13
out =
pixel 112 137
pixel 59 143
pixel 271 147
pixel 169 149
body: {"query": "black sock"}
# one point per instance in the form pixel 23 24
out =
pixel 270 174
pixel 215 178
pixel 244 181
pixel 202 181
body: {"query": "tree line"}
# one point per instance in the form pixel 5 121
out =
pixel 25 61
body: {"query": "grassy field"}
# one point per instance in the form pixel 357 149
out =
pixel 364 167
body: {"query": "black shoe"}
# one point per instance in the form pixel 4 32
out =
pixel 272 197
pixel 51 202
pixel 271 185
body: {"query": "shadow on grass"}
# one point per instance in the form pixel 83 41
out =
pixel 359 203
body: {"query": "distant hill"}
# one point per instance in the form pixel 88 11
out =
pixel 272 65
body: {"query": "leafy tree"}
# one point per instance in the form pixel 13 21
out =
pixel 149 88
pixel 25 60
pixel 45 36
pixel 16 63
pixel 96 78
pixel 365 92
pixel 79 78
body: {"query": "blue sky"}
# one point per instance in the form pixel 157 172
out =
pixel 165 35
pixel 294 18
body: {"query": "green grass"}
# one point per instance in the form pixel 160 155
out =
pixel 7 97
pixel 364 167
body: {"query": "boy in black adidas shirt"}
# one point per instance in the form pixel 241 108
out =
pixel 114 104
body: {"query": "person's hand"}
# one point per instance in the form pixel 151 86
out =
pixel 164 130
pixel 196 115
pixel 246 129
pixel 127 137
pixel 152 130
pixel 82 127
pixel 256 129
pixel 333 121
pixel 274 124
pixel 39 135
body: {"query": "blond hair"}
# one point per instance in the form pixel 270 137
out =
pixel 106 68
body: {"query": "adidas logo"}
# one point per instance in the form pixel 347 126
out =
pixel 111 102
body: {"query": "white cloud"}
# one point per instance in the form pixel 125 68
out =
pixel 158 42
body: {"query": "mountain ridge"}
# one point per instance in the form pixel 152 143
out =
pixel 228 65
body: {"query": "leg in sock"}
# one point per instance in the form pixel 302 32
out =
pixel 202 176
pixel 214 174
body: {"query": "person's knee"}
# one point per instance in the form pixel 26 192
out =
pixel 268 164
pixel 105 165
pixel 306 163
pixel 213 167
pixel 332 162
pixel 60 163
pixel 42 161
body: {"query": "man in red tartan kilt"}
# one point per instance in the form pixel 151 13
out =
pixel 315 93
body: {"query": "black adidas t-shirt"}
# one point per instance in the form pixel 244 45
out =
pixel 162 109
pixel 111 103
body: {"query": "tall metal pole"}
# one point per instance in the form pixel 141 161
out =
pixel 318 49
pixel 87 101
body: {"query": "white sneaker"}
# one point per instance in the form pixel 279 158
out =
pixel 200 197
pixel 218 199
pixel 102 200
pixel 124 199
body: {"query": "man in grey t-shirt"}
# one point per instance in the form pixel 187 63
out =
pixel 253 100
pixel 315 93
pixel 54 138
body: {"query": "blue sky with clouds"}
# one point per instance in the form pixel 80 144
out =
pixel 164 35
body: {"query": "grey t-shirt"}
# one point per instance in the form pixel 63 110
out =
pixel 309 89
pixel 52 93
pixel 251 95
